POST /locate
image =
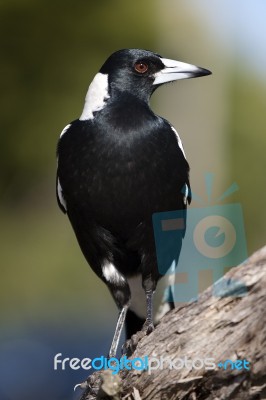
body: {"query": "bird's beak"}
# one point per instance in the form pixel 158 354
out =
pixel 174 70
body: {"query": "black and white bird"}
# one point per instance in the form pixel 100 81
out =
pixel 117 165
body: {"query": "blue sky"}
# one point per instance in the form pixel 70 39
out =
pixel 240 25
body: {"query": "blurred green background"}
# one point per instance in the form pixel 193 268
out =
pixel 50 50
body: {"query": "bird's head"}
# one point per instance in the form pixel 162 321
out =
pixel 142 71
pixel 135 72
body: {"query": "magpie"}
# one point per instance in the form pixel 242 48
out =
pixel 118 164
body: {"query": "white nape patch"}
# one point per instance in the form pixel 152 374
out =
pixel 138 296
pixel 111 274
pixel 179 141
pixel 96 96
pixel 61 195
pixel 64 130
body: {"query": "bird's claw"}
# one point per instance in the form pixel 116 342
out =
pixel 83 385
pixel 130 345
pixel 148 327
pixel 92 384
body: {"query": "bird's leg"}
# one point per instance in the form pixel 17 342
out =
pixel 148 326
pixel 118 331
pixel 120 291
pixel 130 345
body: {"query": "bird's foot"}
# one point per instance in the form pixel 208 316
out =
pixel 91 385
pixel 148 327
pixel 130 345
pixel 101 385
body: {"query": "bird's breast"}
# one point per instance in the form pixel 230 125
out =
pixel 123 176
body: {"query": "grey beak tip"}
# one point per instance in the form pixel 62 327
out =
pixel 204 72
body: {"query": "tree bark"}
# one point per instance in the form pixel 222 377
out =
pixel 228 326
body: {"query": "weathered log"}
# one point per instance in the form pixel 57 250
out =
pixel 231 326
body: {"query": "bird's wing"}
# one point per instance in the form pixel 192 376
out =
pixel 59 191
pixel 187 193
pixel 186 190
pixel 60 195
pixel 186 184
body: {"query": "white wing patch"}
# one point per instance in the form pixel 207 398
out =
pixel 112 275
pixel 179 141
pixel 64 130
pixel 186 193
pixel 96 96
pixel 61 195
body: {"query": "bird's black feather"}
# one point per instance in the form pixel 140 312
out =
pixel 116 168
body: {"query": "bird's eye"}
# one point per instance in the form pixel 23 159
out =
pixel 141 67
